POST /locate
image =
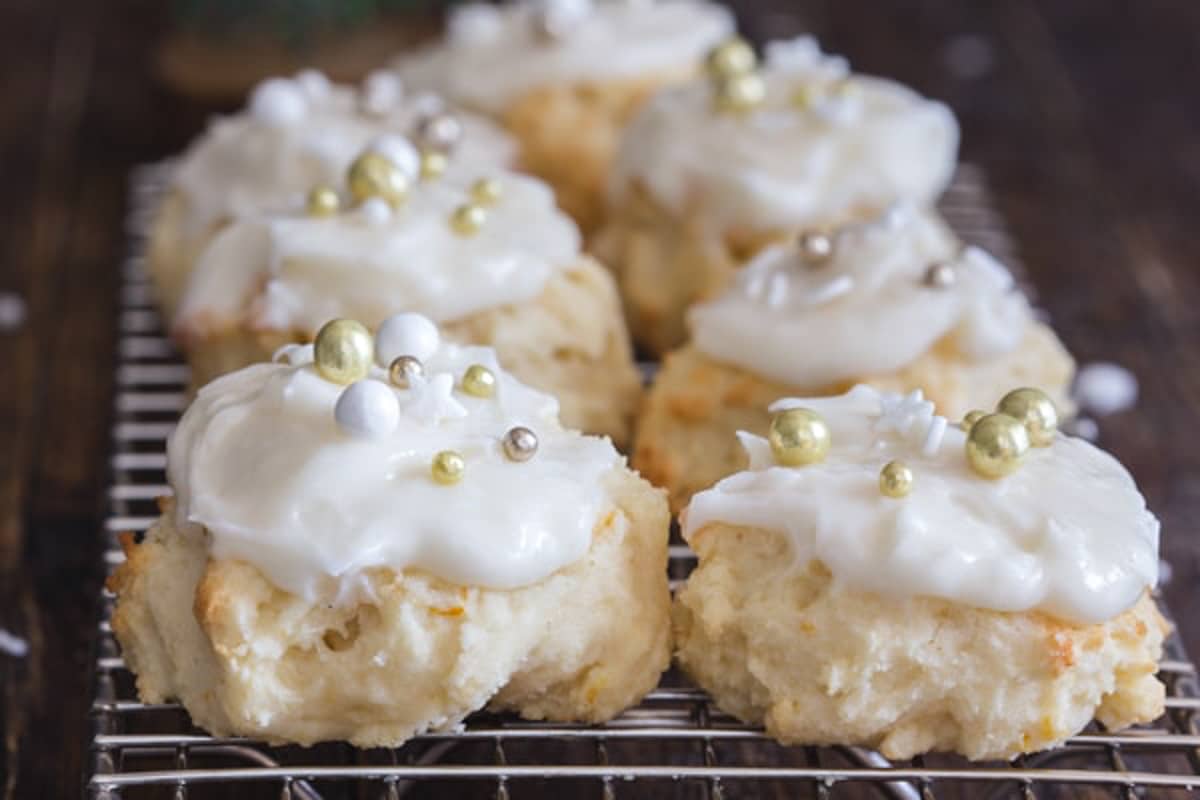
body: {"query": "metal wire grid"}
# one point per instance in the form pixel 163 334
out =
pixel 675 743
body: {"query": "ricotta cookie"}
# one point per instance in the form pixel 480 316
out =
pixel 896 302
pixel 296 136
pixel 363 554
pixel 565 76
pixel 912 586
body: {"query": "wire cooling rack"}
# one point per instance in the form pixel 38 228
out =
pixel 676 743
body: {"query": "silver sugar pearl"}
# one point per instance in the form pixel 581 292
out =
pixel 520 444
pixel 439 132
pixel 403 370
pixel 815 248
pixel 939 276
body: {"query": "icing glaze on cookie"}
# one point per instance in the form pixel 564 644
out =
pixel 493 54
pixel 292 272
pixel 297 133
pixel 260 461
pixel 867 310
pixel 855 144
pixel 1067 533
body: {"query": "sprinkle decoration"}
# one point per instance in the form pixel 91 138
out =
pixel 439 131
pixel 322 201
pixel 448 467
pixel 1035 410
pixel 739 94
pixel 374 175
pixel 939 276
pixel 798 437
pixel 487 191
pixel 895 479
pixel 433 164
pixel 912 417
pixel 406 334
pixel 520 443
pixel 367 409
pixel 816 248
pixel 479 381
pixel 996 445
pixel 343 351
pixel 468 219
pixel 404 371
pixel 732 57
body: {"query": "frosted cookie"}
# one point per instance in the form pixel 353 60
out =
pixel 493 262
pixel 366 554
pixel 295 136
pixel 896 302
pixel 564 76
pixel 909 586
pixel 710 172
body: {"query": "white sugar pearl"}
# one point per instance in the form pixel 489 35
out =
pixel 376 211
pixel 406 334
pixel 314 84
pixel 399 151
pixel 367 408
pixel 381 92
pixel 1104 388
pixel 278 101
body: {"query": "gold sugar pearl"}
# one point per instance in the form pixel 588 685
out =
pixel 468 219
pixel 971 417
pixel 798 436
pixel 1035 410
pixel 323 201
pixel 732 57
pixel 520 443
pixel 403 369
pixel 448 467
pixel 375 175
pixel 816 248
pixel 433 164
pixel 996 445
pixel 479 381
pixel 343 351
pixel 738 94
pixel 939 276
pixel 805 96
pixel 487 191
pixel 895 479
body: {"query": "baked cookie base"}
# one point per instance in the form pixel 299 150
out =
pixel 785 646
pixel 247 658
pixel 568 136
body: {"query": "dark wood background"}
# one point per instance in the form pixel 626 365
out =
pixel 1085 113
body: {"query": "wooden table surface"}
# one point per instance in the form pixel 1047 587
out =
pixel 1086 115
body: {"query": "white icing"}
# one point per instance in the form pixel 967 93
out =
pixel 367 408
pixel 261 463
pixel 1068 533
pixel 292 272
pixel 406 334
pixel 292 138
pixel 1104 388
pixel 866 311
pixel 491 55
pixel 863 144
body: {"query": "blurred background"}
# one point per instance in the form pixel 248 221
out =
pixel 1084 114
